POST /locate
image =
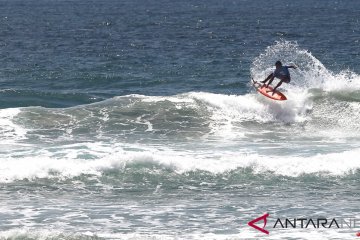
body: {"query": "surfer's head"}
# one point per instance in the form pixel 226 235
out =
pixel 278 64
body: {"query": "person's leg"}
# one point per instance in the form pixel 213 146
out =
pixel 271 80
pixel 284 79
pixel 267 79
pixel 279 84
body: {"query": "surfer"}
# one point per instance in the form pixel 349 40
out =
pixel 280 72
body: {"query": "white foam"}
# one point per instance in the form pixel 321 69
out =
pixel 34 233
pixel 46 165
pixel 311 73
pixel 10 131
pixel 244 233
pixel 254 107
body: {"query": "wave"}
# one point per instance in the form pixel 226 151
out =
pixel 121 164
pixel 188 115
pixel 315 94
pixel 314 132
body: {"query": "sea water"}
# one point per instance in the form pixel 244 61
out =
pixel 137 119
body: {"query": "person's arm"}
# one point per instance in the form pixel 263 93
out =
pixel 292 66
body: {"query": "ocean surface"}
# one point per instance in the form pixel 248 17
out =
pixel 136 119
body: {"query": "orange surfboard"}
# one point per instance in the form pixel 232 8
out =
pixel 269 91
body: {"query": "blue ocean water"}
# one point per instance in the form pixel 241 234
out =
pixel 137 120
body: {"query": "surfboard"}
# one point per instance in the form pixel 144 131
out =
pixel 268 91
